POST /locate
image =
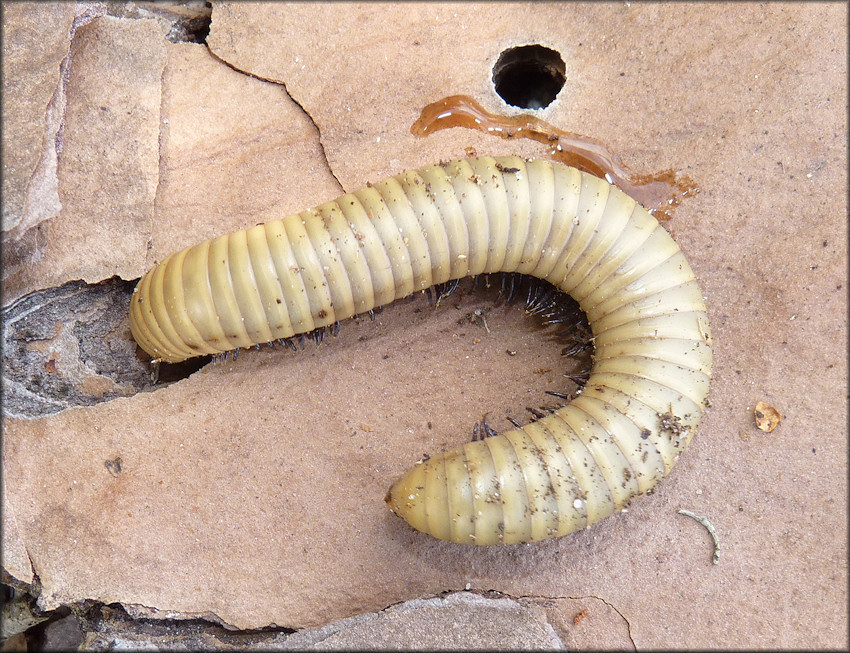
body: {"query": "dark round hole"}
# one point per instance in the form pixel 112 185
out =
pixel 529 76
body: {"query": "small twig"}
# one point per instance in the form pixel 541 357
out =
pixel 708 525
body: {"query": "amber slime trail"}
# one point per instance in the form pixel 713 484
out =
pixel 645 394
pixel 660 192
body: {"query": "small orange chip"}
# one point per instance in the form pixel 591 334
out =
pixel 767 417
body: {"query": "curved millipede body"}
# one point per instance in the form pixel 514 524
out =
pixel 646 391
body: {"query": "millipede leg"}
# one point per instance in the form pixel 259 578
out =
pixel 489 431
pixel 536 413
pixel 580 378
pixel 482 429
pixel 575 348
pixel 447 290
pixel 508 287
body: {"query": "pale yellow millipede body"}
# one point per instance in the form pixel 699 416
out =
pixel 648 386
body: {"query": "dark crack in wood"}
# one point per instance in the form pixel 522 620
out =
pixel 282 84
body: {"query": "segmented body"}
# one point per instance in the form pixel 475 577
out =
pixel 649 383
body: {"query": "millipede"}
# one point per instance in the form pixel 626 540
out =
pixel 643 396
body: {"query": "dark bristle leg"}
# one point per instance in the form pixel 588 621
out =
pixel 554 315
pixel 532 299
pixel 508 288
pixel 577 348
pixel 537 414
pixel 448 289
pixel 579 378
pixel 489 431
pixel 542 301
pixel 514 422
pixel 560 318
pixel 512 284
pixel 559 395
pixel 482 429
